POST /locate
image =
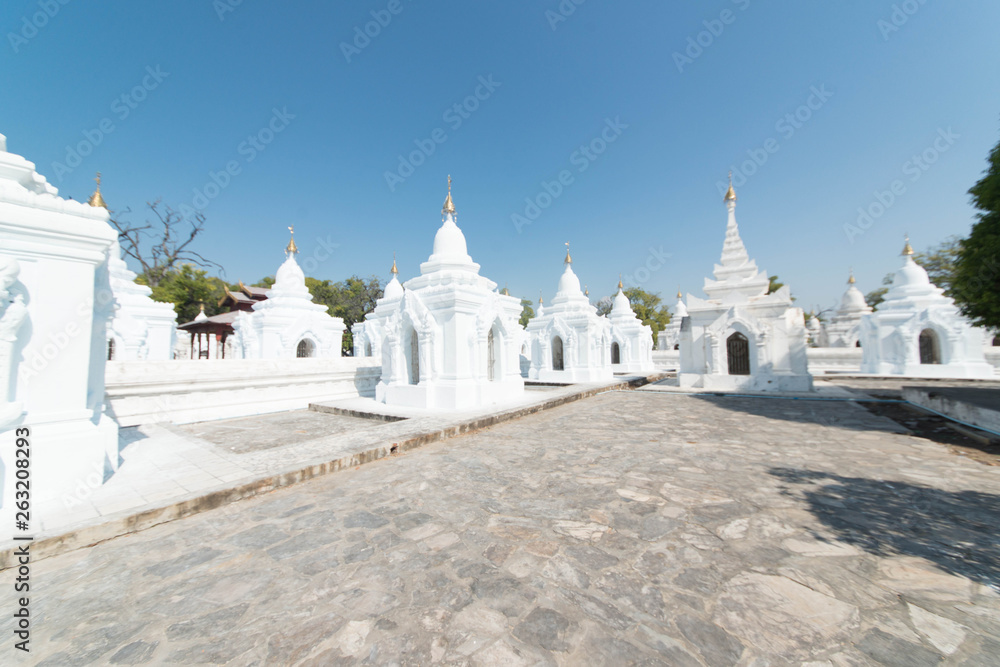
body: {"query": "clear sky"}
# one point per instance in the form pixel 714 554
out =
pixel 662 119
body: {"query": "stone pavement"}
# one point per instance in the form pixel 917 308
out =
pixel 629 528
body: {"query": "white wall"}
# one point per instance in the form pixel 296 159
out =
pixel 183 391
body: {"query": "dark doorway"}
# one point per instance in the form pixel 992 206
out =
pixel 616 353
pixel 738 351
pixel 557 354
pixel 930 350
pixel 414 358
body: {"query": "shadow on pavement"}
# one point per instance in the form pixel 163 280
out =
pixel 954 530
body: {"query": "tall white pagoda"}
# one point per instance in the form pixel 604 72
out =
pixel 451 341
pixel 917 331
pixel 287 324
pixel 569 341
pixel 844 328
pixel 631 340
pixel 741 337
pixel 141 329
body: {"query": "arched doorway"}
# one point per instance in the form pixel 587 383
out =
pixel 491 356
pixel 368 349
pixel 557 354
pixel 858 344
pixel 616 353
pixel 996 341
pixel 304 349
pixel 738 352
pixel 414 367
pixel 930 347
pixel 111 349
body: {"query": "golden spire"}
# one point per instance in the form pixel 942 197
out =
pixel 620 285
pixel 96 200
pixel 730 194
pixel 679 295
pixel 850 281
pixel 907 249
pixel 449 205
pixel 586 292
pixel 541 301
pixel 505 292
pixel 394 271
pixel 569 260
pixel 291 248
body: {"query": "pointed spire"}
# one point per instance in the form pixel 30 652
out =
pixel 394 271
pixel 96 200
pixel 449 205
pixel 505 292
pixel 586 291
pixel 850 281
pixel 620 285
pixel 730 193
pixel 568 260
pixel 679 294
pixel 291 248
pixel 907 249
pixel 541 301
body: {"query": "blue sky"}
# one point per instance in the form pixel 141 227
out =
pixel 886 81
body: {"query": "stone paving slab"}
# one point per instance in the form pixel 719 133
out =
pixel 633 528
pixel 169 472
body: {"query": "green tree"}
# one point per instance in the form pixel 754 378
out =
pixel 646 306
pixel 774 284
pixel 188 287
pixel 940 262
pixel 527 312
pixel 351 299
pixel 976 285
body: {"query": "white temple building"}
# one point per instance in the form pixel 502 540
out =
pixel 741 337
pixel 55 303
pixel 670 337
pixel 844 328
pixel 917 331
pixel 287 324
pixel 368 335
pixel 631 340
pixel 569 341
pixel 141 329
pixel 451 341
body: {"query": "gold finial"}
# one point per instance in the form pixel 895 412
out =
pixel 291 248
pixel 907 249
pixel 505 292
pixel 449 205
pixel 394 271
pixel 569 260
pixel 850 281
pixel 96 200
pixel 541 301
pixel 586 291
pixel 202 303
pixel 679 295
pixel 620 285
pixel 731 193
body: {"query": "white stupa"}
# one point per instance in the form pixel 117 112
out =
pixel 141 329
pixel 844 328
pixel 368 335
pixel 917 331
pixel 815 332
pixel 450 342
pixel 670 337
pixel 288 324
pixel 55 303
pixel 569 341
pixel 631 340
pixel 741 337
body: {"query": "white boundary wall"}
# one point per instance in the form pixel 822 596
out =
pixel 148 392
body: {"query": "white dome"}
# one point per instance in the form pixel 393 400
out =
pixel 911 275
pixel 853 300
pixel 449 242
pixel 680 309
pixel 393 290
pixel 621 303
pixel 290 277
pixel 569 283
